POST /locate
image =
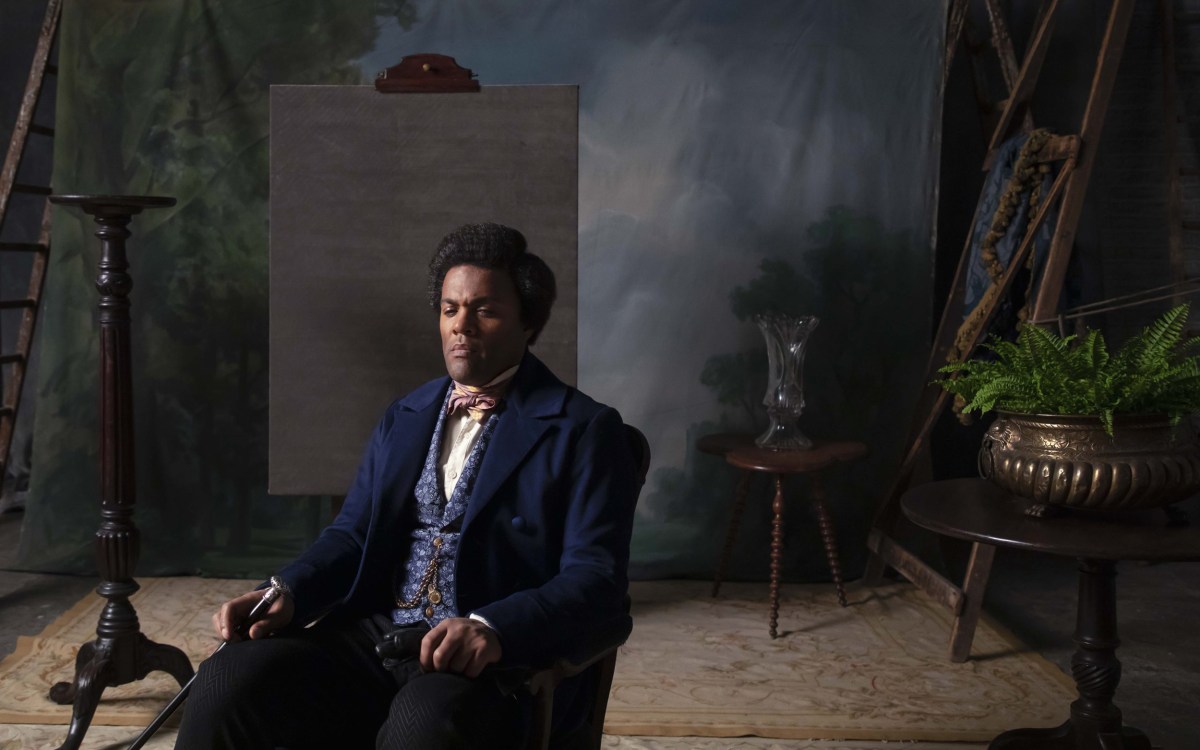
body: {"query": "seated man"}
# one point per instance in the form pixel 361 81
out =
pixel 494 506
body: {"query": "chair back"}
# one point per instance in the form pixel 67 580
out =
pixel 607 667
pixel 641 452
pixel 542 683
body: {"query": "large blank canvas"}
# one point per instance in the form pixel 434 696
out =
pixel 363 186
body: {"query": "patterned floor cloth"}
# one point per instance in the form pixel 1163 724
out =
pixel 876 669
pixel 695 668
pixel 40 737
pixel 176 611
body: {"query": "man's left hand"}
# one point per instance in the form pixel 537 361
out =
pixel 460 645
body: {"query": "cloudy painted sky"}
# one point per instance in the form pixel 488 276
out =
pixel 712 134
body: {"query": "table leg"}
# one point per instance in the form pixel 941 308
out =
pixel 739 505
pixel 776 553
pixel 825 521
pixel 1095 723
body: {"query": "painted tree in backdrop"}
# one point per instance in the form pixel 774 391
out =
pixel 852 273
pixel 172 99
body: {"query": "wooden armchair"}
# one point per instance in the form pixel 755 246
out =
pixel 600 656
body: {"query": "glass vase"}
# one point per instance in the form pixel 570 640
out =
pixel 787 342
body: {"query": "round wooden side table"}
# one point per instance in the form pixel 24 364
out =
pixel 740 451
pixel 978 511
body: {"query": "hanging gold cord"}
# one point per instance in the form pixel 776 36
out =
pixel 1026 179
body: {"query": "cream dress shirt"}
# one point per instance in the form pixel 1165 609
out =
pixel 459 435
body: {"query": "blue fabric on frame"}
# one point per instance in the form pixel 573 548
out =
pixel 994 186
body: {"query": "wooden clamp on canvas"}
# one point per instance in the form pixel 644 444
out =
pixel 1067 191
pixel 426 74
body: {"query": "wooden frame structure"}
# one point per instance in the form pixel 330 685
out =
pixel 1077 155
pixel 18 358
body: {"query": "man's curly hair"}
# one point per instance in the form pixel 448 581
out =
pixel 498 248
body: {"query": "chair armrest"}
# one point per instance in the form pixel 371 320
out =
pixel 546 677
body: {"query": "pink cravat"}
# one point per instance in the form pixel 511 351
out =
pixel 477 400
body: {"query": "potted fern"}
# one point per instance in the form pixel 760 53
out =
pixel 1081 428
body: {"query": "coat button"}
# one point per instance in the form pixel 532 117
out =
pixel 518 523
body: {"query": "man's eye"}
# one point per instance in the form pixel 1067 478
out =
pixel 447 311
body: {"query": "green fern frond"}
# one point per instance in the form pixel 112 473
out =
pixel 1156 371
pixel 1160 338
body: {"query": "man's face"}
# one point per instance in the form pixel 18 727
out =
pixel 482 333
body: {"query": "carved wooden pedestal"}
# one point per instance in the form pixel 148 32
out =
pixel 120 653
pixel 1095 721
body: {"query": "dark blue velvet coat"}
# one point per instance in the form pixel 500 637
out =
pixel 545 538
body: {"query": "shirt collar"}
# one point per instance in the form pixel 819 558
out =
pixel 503 376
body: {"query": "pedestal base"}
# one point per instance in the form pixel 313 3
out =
pixel 108 662
pixel 1070 736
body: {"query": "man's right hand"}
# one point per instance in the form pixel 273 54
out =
pixel 234 612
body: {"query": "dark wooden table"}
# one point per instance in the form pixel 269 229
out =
pixel 740 451
pixel 978 511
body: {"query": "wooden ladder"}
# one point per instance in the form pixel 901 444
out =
pixel 1184 269
pixel 1077 155
pixel 14 364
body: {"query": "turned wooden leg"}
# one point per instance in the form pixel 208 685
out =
pixel 739 505
pixel 1095 723
pixel 776 553
pixel 825 521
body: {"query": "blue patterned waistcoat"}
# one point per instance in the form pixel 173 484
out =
pixel 435 515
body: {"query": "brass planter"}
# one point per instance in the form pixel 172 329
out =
pixel 1069 460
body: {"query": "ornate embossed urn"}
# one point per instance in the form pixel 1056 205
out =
pixel 1069 461
pixel 787 342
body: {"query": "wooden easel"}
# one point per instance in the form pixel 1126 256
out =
pixel 1077 154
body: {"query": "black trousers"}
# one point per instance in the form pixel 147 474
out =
pixel 325 688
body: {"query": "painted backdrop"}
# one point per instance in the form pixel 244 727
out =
pixel 734 158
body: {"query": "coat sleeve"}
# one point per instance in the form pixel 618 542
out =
pixel 323 575
pixel 586 597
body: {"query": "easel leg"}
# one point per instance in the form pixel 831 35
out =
pixel 979 568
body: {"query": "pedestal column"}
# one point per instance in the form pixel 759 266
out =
pixel 120 653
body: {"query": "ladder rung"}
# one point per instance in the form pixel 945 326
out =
pixel 22 247
pixel 20 187
pixel 41 130
pixel 17 304
pixel 11 359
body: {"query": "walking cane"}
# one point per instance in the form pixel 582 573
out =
pixel 255 615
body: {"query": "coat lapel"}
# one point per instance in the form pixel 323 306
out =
pixel 536 394
pixel 408 444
